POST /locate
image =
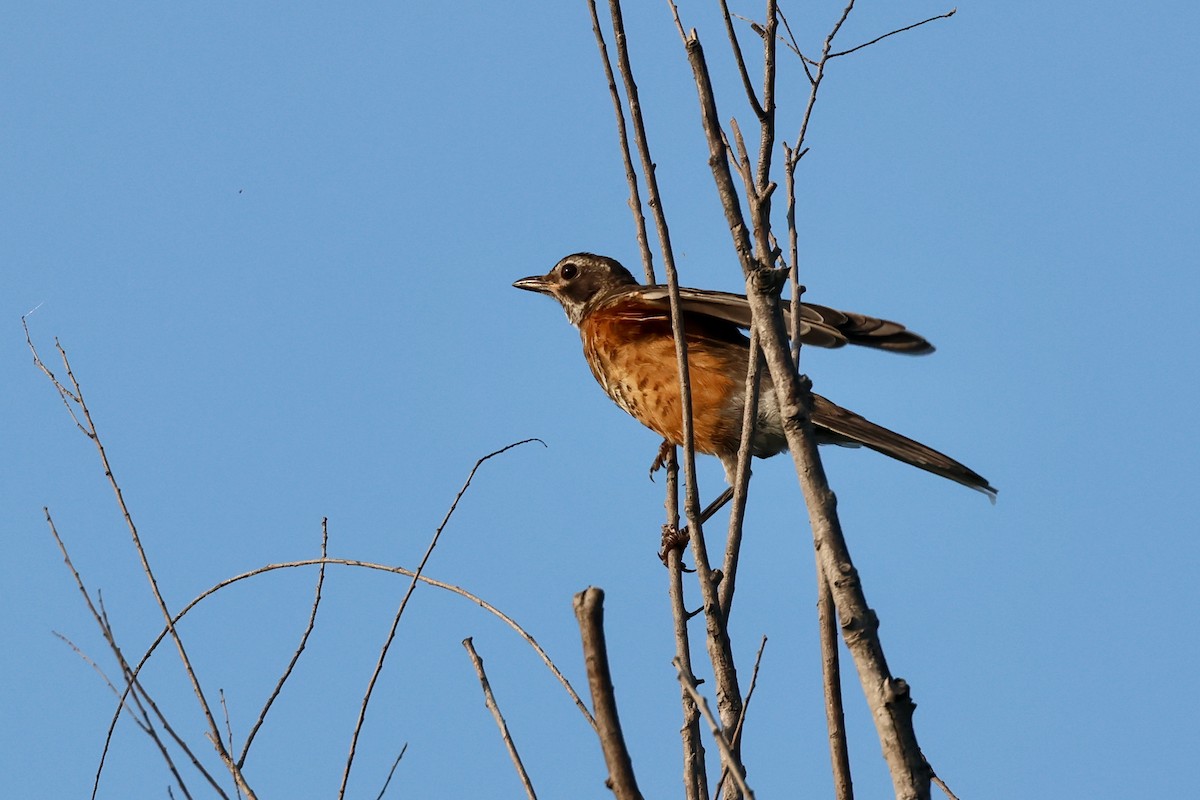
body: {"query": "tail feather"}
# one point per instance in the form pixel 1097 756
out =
pixel 836 425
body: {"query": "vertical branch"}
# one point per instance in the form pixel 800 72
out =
pixel 589 611
pixel 719 648
pixel 737 513
pixel 635 200
pixel 831 675
pixel 695 778
pixel 887 697
pixel 766 146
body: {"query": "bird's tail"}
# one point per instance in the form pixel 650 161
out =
pixel 836 425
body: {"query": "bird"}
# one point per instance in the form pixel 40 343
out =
pixel 629 345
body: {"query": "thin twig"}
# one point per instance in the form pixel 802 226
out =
pixel 734 45
pixel 490 699
pixel 137 711
pixel 942 785
pixel 741 484
pixel 228 730
pixel 947 15
pixel 308 629
pixel 391 772
pixel 635 200
pixel 141 722
pixel 741 723
pixel 391 635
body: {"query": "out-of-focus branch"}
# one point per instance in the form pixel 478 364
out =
pixel 589 611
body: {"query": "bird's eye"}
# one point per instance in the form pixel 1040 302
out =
pixel 569 271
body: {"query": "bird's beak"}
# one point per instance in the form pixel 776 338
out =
pixel 535 283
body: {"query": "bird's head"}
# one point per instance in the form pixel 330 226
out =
pixel 579 282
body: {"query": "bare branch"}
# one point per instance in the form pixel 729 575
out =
pixel 720 652
pixel 695 778
pixel 887 697
pixel 831 674
pixel 737 731
pixel 947 15
pixel 490 700
pixel 391 772
pixel 741 481
pixel 728 758
pixel 308 629
pixel 942 785
pixel 228 730
pixel 101 618
pixel 635 200
pixel 391 635
pixel 589 611
pixel 77 406
pixel 734 45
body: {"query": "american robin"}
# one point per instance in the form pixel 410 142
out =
pixel 629 346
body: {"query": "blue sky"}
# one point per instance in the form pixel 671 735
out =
pixel 278 246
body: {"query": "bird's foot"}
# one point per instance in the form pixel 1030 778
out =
pixel 660 460
pixel 673 539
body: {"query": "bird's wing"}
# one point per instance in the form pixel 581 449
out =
pixel 821 326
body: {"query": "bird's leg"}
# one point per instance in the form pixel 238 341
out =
pixel 660 460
